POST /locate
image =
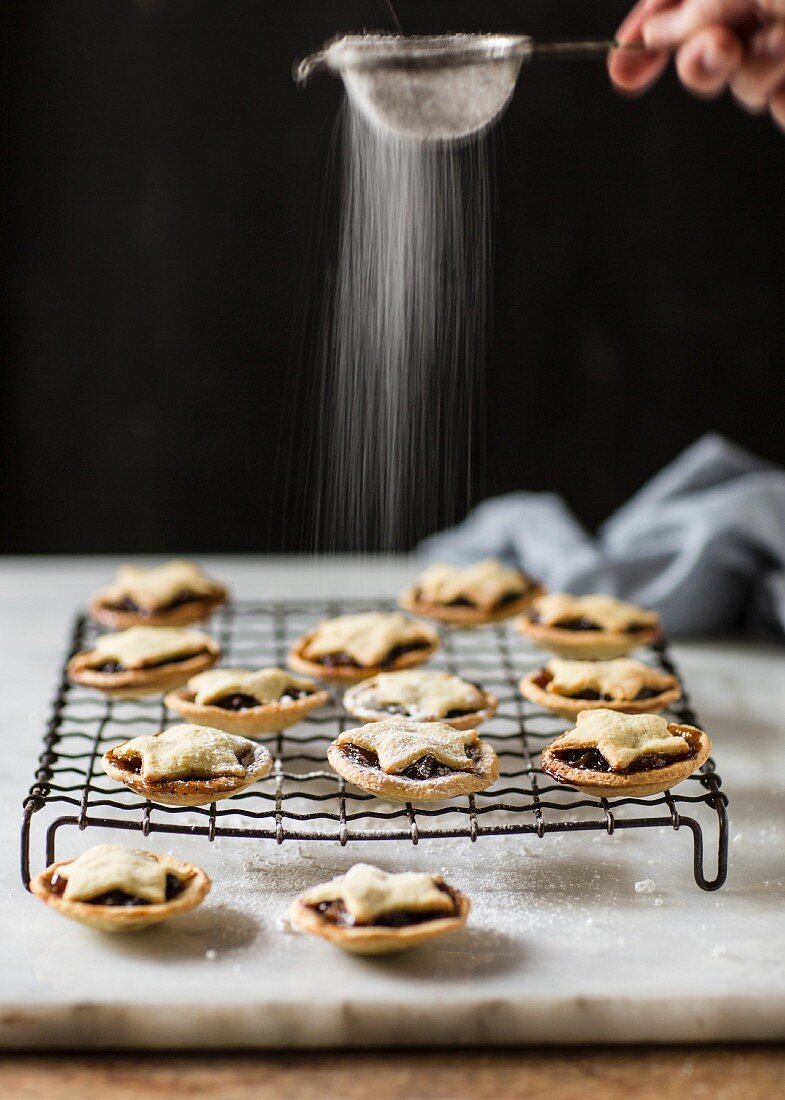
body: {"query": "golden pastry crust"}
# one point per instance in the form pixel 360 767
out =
pixel 567 706
pixel 211 594
pixel 251 722
pixel 377 939
pixel 188 792
pixel 300 662
pixel 484 769
pixel 614 640
pixel 638 784
pixel 132 918
pixel 411 599
pixel 133 683
pixel 354 703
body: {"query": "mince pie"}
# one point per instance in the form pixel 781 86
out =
pixel 187 765
pixel 414 761
pixel 471 595
pixel 422 695
pixel 370 912
pixel 566 687
pixel 593 627
pixel 240 701
pixel 613 755
pixel 173 594
pixel 117 889
pixel 354 647
pixel 143 660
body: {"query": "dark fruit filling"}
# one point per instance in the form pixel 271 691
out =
pixel 545 678
pixel 464 601
pixel 134 765
pixel 592 760
pixel 127 604
pixel 240 701
pixel 427 767
pixel 399 710
pixel 116 666
pixel 583 623
pixel 343 660
pixel 174 886
pixel 335 912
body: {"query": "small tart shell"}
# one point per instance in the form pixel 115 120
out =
pixel 402 789
pixel 635 784
pixel 188 792
pixel 465 722
pixel 182 615
pixel 130 918
pixel 567 707
pixel 376 939
pixel 590 645
pixel 352 674
pixel 252 722
pixel 133 683
pixel 466 616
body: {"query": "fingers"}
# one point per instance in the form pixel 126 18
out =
pixel 707 60
pixel 664 30
pixel 760 79
pixel 634 72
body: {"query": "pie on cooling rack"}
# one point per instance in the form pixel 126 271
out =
pixel 117 889
pixel 613 755
pixel 471 595
pixel 414 761
pixel 567 687
pixel 594 626
pixel 370 912
pixel 173 594
pixel 423 695
pixel 143 660
pixel 187 765
pixel 241 701
pixel 354 647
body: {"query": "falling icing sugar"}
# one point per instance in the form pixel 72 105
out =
pixel 404 332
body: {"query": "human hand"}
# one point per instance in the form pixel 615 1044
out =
pixel 738 44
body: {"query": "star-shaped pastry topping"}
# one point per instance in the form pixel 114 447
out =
pixel 186 752
pixel 267 685
pixel 622 678
pixel 425 694
pixel 399 742
pixel 606 611
pixel 484 583
pixel 368 638
pixel 368 893
pixel 140 646
pixel 155 588
pixel 622 738
pixel 111 867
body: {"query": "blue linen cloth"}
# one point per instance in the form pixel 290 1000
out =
pixel 703 542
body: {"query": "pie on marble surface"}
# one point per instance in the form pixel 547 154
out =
pixel 591 627
pixel 143 660
pixel 566 687
pixel 187 765
pixel 239 700
pixel 485 592
pixel 116 889
pixel 423 695
pixel 414 761
pixel 173 594
pixel 614 755
pixel 370 912
pixel 354 647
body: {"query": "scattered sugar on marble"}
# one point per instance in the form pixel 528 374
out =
pixel 404 330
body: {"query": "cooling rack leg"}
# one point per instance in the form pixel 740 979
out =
pixel 24 848
pixel 698 849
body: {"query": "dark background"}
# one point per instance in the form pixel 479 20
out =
pixel 161 187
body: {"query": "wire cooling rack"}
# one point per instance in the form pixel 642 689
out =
pixel 302 799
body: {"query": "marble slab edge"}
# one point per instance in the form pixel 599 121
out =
pixel 343 1025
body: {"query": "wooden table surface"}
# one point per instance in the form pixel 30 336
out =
pixel 721 1073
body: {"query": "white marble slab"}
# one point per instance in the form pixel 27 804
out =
pixel 560 947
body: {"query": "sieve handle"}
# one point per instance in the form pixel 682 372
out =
pixel 568 51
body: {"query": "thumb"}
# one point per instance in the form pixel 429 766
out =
pixel 669 28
